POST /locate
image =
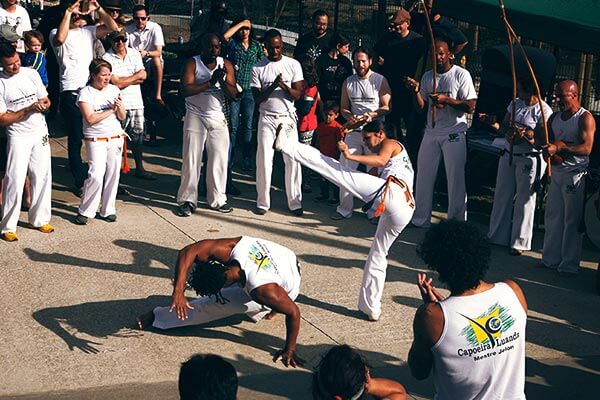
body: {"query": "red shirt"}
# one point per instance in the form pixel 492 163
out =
pixel 309 121
pixel 327 137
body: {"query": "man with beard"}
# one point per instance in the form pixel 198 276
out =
pixel 572 131
pixel 276 82
pixel 454 98
pixel 399 51
pixel 314 43
pixel 365 97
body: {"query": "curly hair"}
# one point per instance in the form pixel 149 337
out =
pixel 309 70
pixel 459 252
pixel 341 372
pixel 208 278
pixel 207 377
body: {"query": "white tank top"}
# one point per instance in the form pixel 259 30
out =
pixel 363 94
pixel 400 167
pixel 208 103
pixel 481 352
pixel 568 132
pixel 265 262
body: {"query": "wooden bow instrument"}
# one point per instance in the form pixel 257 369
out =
pixel 433 60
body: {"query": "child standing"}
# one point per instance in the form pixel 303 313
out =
pixel 328 134
pixel 34 56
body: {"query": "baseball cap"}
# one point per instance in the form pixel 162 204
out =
pixel 117 34
pixel 9 33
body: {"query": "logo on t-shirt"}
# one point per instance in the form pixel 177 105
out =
pixel 485 334
pixel 261 256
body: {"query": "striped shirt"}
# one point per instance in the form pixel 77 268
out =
pixel 243 60
pixel 132 63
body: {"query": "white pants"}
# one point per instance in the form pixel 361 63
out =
pixel 27 155
pixel 267 125
pixel 514 183
pixel 102 183
pixel 197 132
pixel 564 209
pixel 396 216
pixel 454 149
pixel 355 145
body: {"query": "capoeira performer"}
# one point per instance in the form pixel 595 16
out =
pixel 454 98
pixel 365 97
pixel 246 275
pixel 102 109
pixel 572 132
pixel 205 81
pixel 23 98
pixel 276 83
pixel 517 182
pixel 389 193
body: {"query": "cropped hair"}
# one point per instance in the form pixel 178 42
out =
pixel 332 106
pixel 271 33
pixel 341 372
pixel 319 13
pixel 362 49
pixel 379 125
pixel 97 64
pixel 459 252
pixel 337 39
pixel 7 49
pixel 140 7
pixel 207 377
pixel 208 278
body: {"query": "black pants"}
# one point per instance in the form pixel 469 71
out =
pixel 73 122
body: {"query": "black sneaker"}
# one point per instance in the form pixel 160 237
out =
pixel 225 209
pixel 297 212
pixel 109 218
pixel 184 210
pixel 260 211
pixel 81 219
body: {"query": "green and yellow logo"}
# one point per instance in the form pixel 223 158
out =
pixel 488 327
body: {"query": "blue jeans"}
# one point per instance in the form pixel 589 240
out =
pixel 73 122
pixel 242 111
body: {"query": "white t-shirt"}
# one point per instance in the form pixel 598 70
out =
pixel 20 19
pixel 266 262
pixel 146 39
pixel 132 94
pixel 17 92
pixel 101 100
pixel 263 75
pixel 527 116
pixel 74 56
pixel 209 102
pixel 363 94
pixel 457 84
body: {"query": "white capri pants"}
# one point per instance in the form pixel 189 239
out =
pixel 454 149
pixel 564 209
pixel 398 213
pixel 100 187
pixel 514 200
pixel 199 131
pixel 29 154
pixel 355 144
pixel 267 125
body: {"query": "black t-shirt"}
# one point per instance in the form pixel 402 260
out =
pixel 401 56
pixel 443 27
pixel 332 73
pixel 312 46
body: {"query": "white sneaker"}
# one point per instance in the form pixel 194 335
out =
pixel 280 138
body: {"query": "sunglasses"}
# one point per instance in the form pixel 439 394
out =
pixel 140 18
pixel 113 10
pixel 120 39
pixel 245 28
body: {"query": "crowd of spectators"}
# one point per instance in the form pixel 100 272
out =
pixel 103 69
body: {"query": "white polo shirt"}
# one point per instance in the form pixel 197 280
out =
pixel 20 91
pixel 132 63
pixel 146 39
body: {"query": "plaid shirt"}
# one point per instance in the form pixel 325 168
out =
pixel 243 60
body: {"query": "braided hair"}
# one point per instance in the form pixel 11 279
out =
pixel 208 278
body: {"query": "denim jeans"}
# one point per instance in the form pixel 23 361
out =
pixel 242 111
pixel 73 122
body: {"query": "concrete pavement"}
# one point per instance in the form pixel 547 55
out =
pixel 69 299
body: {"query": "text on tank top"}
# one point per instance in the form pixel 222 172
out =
pixel 209 102
pixel 400 167
pixel 481 352
pixel 568 131
pixel 363 94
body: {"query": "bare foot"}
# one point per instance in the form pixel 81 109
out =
pixel 145 321
pixel 271 315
